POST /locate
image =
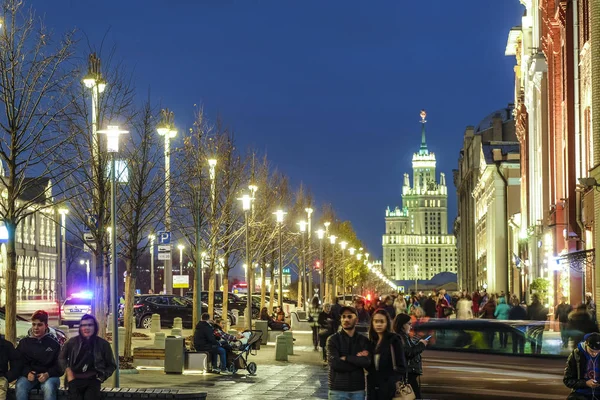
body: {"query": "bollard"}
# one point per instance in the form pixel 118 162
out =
pixel 290 342
pixel 177 323
pixel 176 332
pixel 281 352
pixel 65 330
pixel 121 334
pixel 110 323
pixel 155 326
pixel 262 326
pixel 236 315
pixel 159 340
pixel 241 322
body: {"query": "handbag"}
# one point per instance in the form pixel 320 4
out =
pixel 402 390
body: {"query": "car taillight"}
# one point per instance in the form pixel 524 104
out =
pixel 136 306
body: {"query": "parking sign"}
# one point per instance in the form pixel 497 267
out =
pixel 164 237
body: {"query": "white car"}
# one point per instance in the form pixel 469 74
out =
pixel 23 325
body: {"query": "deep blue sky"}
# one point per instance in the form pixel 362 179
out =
pixel 331 90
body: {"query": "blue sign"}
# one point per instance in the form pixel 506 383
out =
pixel 91 220
pixel 286 271
pixel 164 237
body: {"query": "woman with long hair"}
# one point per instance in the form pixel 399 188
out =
pixel 388 364
pixel 413 347
pixel 313 319
pixel 274 325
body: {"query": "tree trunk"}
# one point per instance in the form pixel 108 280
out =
pixel 128 310
pixel 211 291
pixel 263 285
pixel 225 294
pixel 194 298
pixel 299 289
pixel 273 290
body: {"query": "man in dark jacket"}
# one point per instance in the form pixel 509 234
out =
pixel 582 373
pixel 429 307
pixel 348 354
pixel 204 340
pixel 39 352
pixel 8 356
pixel 88 361
pixel 562 315
pixel 335 314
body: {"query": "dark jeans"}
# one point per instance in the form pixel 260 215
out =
pixel 315 335
pixel 503 339
pixel 216 353
pixel 323 343
pixel 564 334
pixel 413 381
pixel 518 343
pixel 84 389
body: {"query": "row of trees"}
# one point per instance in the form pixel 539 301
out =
pixel 48 128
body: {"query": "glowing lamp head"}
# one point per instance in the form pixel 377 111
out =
pixel 343 245
pixel 302 225
pixel 152 237
pixel 279 214
pixel 253 188
pixel 246 201
pixel 320 233
pixel 359 256
pixel 89 81
pixel 308 211
pixel 180 246
pixel 327 224
pixel 81 262
pixel 332 239
pixel 112 137
pixel 101 85
pixel 352 250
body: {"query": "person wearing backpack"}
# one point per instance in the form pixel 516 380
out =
pixel 582 373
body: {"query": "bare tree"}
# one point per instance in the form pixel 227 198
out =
pixel 139 205
pixel 35 74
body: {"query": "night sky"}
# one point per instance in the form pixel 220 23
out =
pixel 330 90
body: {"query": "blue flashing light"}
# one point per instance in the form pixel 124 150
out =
pixel 83 295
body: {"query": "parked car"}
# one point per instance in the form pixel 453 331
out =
pixel 233 302
pixel 348 299
pixel 75 307
pixel 168 307
pixel 23 325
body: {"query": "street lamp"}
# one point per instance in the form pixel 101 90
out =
pixel 302 269
pixel 246 200
pixel 63 211
pixel 343 245
pixel 321 236
pixel 166 128
pixel 332 239
pixel 416 272
pixel 152 238
pixel 181 247
pixel 309 212
pixel 87 270
pixel 352 250
pixel 112 146
pixel 212 164
pixel 279 215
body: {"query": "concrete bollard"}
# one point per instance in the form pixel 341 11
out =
pixel 262 326
pixel 160 340
pixel 281 351
pixel 241 322
pixel 155 326
pixel 121 334
pixel 177 323
pixel 65 330
pixel 290 342
pixel 176 332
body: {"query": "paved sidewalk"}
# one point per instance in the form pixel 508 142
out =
pixel 303 377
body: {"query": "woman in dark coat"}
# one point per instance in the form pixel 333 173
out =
pixel 413 347
pixel 273 325
pixel 388 351
pixel 326 324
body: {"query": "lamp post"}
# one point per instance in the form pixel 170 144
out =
pixel 246 206
pixel 253 189
pixel 63 250
pixel 332 239
pixel 152 238
pixel 87 271
pixel 302 269
pixel 181 247
pixel 112 146
pixel 309 212
pixel 416 272
pixel 343 245
pixel 321 235
pixel 352 250
pixel 279 214
pixel 212 164
pixel 166 128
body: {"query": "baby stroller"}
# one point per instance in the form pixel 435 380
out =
pixel 238 357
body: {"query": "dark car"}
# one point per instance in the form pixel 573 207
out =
pixel 168 307
pixel 233 302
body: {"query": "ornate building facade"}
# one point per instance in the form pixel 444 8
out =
pixel 416 243
pixel 37 239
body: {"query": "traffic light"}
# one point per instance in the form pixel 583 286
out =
pixel 318 265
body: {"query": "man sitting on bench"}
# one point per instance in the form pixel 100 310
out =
pixel 204 340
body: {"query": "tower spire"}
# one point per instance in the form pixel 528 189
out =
pixel 423 150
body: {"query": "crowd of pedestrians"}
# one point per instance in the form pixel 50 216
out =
pixel 42 357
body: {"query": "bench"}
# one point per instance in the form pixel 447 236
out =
pixel 148 357
pixel 298 323
pixel 124 393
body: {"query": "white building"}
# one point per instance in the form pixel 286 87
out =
pixel 416 239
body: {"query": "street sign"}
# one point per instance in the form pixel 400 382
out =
pixel 401 289
pixel 286 271
pixel 164 247
pixel 164 256
pixel 92 220
pixel 164 237
pixel 181 281
pixel 88 247
pixel 88 237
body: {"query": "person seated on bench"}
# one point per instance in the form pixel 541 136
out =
pixel 8 355
pixel 271 323
pixel 39 352
pixel 204 340
pixel 279 315
pixel 226 340
pixel 88 361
